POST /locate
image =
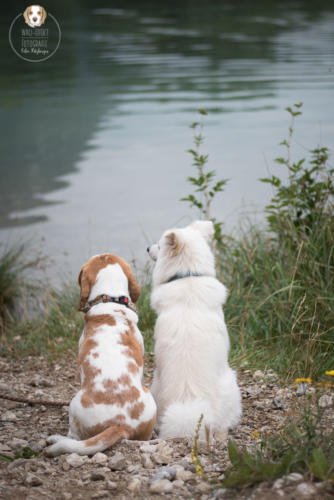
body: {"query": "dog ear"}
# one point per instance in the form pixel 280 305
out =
pixel 205 227
pixel 134 288
pixel 43 15
pixel 25 15
pixel 84 288
pixel 174 243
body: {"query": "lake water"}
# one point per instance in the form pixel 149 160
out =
pixel 94 140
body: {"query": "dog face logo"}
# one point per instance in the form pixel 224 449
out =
pixel 34 16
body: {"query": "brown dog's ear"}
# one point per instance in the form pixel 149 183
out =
pixel 25 15
pixel 134 288
pixel 43 15
pixel 84 289
pixel 174 243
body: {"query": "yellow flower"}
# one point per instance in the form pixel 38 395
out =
pixel 307 380
pixel 330 372
pixel 255 434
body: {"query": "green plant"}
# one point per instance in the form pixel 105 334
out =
pixel 13 283
pixel 304 444
pixel 204 182
pixel 309 192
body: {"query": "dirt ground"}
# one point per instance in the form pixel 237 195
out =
pixel 155 469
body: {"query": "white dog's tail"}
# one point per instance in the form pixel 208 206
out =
pixel 100 442
pixel 180 419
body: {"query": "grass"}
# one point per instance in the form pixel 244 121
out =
pixel 303 444
pixel 14 285
pixel 281 304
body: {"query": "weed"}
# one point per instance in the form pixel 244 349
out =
pixel 204 181
pixel 303 444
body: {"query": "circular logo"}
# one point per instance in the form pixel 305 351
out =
pixel 34 35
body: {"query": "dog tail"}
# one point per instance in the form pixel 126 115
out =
pixel 100 442
pixel 180 419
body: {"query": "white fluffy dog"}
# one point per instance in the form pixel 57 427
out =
pixel 192 375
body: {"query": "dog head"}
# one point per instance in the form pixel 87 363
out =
pixel 106 274
pixel 183 250
pixel 34 16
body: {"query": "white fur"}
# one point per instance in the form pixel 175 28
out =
pixel 110 359
pixel 192 375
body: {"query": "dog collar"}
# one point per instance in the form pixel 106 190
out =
pixel 102 299
pixel 180 276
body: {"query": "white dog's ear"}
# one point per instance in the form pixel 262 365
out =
pixel 174 243
pixel 205 227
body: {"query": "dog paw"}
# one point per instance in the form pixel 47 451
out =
pixel 54 438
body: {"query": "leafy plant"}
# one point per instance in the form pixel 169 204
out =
pixel 204 181
pixel 303 445
pixel 309 192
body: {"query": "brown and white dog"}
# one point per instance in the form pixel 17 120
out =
pixel 112 403
pixel 34 16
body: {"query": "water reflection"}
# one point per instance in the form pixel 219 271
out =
pixel 126 81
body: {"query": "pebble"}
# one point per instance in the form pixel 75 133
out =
pixel 99 458
pixel 135 484
pixel 98 475
pixel 325 401
pixel 9 416
pixel 146 461
pixel 278 404
pixel 185 475
pixel 117 462
pixel 16 444
pixel 178 483
pixel 75 460
pixel 164 473
pixel 32 480
pixel 160 459
pixel 219 493
pixel 293 477
pixel 111 485
pixel 161 486
pixel 258 375
pixel 305 490
pixel 101 494
pixel 148 448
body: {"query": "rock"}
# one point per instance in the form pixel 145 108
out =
pixel 146 461
pixel 278 484
pixel 164 473
pixel 15 444
pixel 219 493
pixel 325 400
pixel 258 375
pixel 253 390
pixel 302 388
pixel 161 486
pixel 185 475
pixel 101 494
pixel 203 487
pixel 178 483
pixel 278 404
pixel 293 477
pixel 111 485
pixel 9 416
pixel 117 462
pixel 32 480
pixel 148 448
pixel 160 459
pixel 271 376
pixel 98 475
pixel 164 448
pixel 66 466
pixel 305 490
pixel 16 463
pixel 38 446
pixel 135 484
pixel 75 460
pixel 99 458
